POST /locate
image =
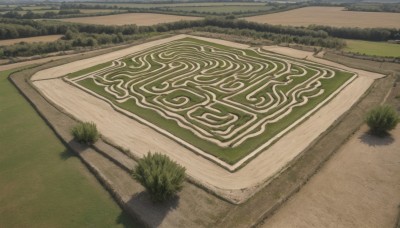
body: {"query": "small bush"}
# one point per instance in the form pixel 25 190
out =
pixel 161 176
pixel 86 133
pixel 382 119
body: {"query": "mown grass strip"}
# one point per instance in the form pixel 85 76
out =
pixel 43 184
pixel 382 49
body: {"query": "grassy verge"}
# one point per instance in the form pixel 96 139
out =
pixel 42 184
pixel 383 49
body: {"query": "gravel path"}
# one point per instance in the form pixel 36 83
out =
pixel 140 139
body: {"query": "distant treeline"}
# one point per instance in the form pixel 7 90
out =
pixel 328 42
pixel 197 11
pixel 83 35
pixel 11 28
pixel 49 14
pixel 372 34
pixel 375 7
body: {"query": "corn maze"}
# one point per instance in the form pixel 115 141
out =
pixel 221 100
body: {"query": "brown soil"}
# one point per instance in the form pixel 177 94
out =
pixel 331 16
pixel 358 187
pixel 130 18
pixel 35 39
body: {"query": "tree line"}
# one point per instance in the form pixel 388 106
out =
pixel 87 35
pixel 371 34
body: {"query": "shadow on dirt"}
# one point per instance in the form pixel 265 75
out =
pixel 154 212
pixel 375 141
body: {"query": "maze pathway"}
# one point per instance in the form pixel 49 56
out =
pixel 219 100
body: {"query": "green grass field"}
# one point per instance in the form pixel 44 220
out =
pixel 225 101
pixel 42 184
pixel 383 49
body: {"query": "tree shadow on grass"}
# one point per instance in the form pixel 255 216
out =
pixel 66 154
pixel 374 141
pixel 152 213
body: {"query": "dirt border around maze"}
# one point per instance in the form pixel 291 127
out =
pixel 266 197
pixel 270 197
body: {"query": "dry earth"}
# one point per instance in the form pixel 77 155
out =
pixel 41 60
pixel 26 63
pixel 49 38
pixel 140 139
pixel 358 187
pixel 331 16
pixel 130 18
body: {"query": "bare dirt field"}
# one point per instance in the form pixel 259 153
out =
pixel 331 16
pixel 358 187
pixel 130 18
pixel 140 139
pixel 49 38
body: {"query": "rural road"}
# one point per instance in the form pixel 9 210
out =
pixel 358 187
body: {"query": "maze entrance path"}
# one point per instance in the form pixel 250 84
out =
pixel 215 99
pixel 141 138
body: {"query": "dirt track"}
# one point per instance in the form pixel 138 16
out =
pixel 130 18
pixel 358 187
pixel 48 38
pixel 330 16
pixel 140 139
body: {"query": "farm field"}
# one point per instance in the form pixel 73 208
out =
pixel 48 38
pixel 201 92
pixel 43 185
pixel 129 18
pixel 82 11
pixel 143 5
pixel 383 49
pixel 223 9
pixel 330 16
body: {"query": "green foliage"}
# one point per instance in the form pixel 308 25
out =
pixel 69 11
pixel 161 176
pixel 382 119
pixel 86 133
pixel 374 7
